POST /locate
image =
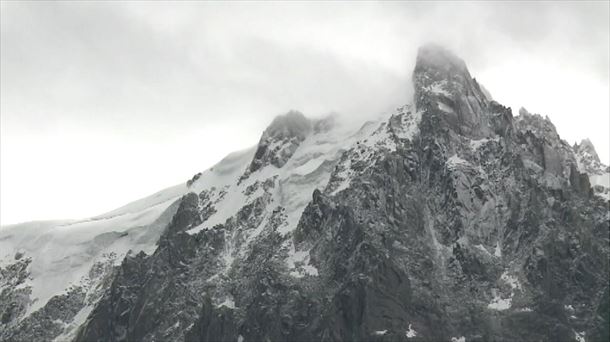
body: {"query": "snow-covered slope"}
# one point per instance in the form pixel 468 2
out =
pixel 308 167
pixel 62 253
pixel 159 198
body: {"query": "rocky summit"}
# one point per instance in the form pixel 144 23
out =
pixel 449 219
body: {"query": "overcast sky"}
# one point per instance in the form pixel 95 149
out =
pixel 106 102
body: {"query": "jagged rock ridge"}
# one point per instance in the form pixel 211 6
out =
pixel 449 219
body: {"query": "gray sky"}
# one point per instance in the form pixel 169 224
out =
pixel 106 102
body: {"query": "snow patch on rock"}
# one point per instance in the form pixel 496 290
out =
pixel 483 249
pixel 444 107
pixel 499 302
pixel 410 333
pixel 455 162
pixel 498 250
pixel 476 144
pixel 228 302
pixel 298 263
pixel 437 88
pixel 71 329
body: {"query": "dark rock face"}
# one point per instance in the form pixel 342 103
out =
pixel 479 226
pixel 443 85
pixel 13 299
pixel 214 325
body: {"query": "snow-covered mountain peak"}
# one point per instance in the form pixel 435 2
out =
pixel 445 208
pixel 586 148
pixel 433 56
pixel 453 99
pixel 290 125
pixel 294 156
pixel 536 124
pixel 588 162
pixel 280 140
pixel 440 73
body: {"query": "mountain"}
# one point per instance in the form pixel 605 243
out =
pixel 448 219
pixel 588 162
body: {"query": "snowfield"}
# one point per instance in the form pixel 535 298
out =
pixel 63 252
